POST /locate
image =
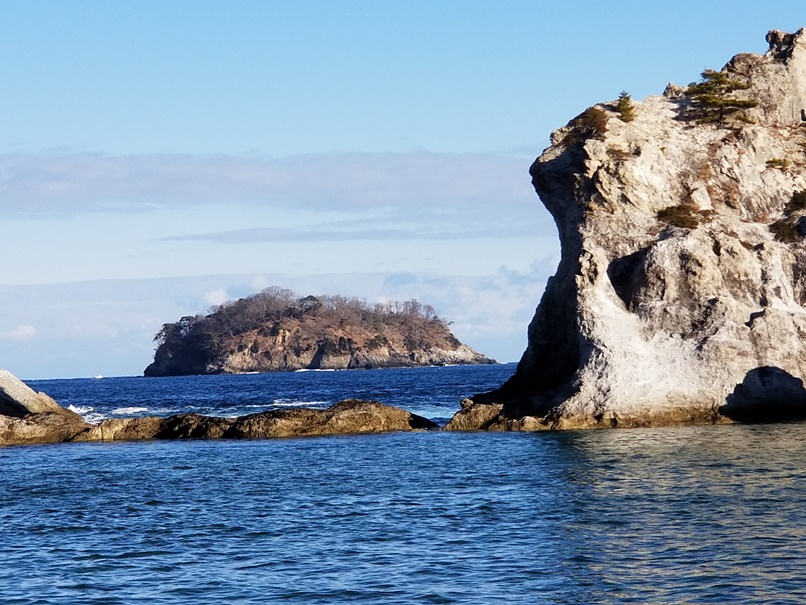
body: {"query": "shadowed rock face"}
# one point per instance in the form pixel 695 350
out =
pixel 683 265
pixel 17 399
pixel 766 395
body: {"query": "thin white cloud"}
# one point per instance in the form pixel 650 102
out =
pixel 22 333
pixel 216 297
pixel 39 184
pixel 325 233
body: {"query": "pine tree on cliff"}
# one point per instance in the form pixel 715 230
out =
pixel 625 107
pixel 714 98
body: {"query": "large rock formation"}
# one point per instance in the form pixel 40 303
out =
pixel 275 331
pixel 680 292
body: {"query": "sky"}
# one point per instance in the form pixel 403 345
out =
pixel 161 157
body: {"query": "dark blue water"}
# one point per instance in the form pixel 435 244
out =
pixel 684 515
pixel 433 392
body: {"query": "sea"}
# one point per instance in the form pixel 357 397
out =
pixel 710 514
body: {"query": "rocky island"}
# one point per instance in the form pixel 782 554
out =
pixel 275 331
pixel 679 297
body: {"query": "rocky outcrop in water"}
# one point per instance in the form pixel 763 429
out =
pixel 274 331
pixel 27 417
pixel 680 292
pixel 346 417
pixel 30 417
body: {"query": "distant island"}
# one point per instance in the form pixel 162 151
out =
pixel 276 331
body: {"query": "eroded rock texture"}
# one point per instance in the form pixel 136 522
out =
pixel 680 292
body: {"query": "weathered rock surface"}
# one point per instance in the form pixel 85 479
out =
pixel 45 427
pixel 18 399
pixel 648 323
pixel 30 417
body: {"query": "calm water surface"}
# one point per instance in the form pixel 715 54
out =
pixel 685 515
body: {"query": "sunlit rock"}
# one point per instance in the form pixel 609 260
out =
pixel 683 266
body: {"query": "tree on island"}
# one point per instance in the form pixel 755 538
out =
pixel 714 98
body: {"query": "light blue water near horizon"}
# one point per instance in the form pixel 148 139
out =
pixel 712 514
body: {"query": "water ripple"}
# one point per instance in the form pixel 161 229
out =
pixel 687 515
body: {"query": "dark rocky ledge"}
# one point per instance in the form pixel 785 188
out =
pixel 27 417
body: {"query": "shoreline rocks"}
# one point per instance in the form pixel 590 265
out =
pixel 351 416
pixel 34 418
pixel 30 417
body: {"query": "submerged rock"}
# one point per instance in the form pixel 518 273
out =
pixel 680 292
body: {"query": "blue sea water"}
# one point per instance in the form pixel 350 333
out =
pixel 680 515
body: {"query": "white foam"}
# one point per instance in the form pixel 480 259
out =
pixel 289 403
pixel 129 410
pixel 87 412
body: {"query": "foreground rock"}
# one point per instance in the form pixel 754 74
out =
pixel 17 399
pixel 29 417
pixel 346 417
pixel 679 297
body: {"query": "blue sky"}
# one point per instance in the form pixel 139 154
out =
pixel 160 157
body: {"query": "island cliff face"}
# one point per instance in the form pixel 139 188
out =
pixel 680 292
pixel 275 331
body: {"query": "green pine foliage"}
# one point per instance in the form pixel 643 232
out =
pixel 714 97
pixel 625 107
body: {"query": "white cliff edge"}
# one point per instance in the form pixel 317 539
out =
pixel 649 323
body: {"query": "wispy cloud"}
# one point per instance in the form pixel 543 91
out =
pixel 216 297
pixel 21 333
pixel 354 232
pixel 32 184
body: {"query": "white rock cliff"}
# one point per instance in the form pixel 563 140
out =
pixel 646 322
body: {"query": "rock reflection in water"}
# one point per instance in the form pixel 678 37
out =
pixel 705 514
